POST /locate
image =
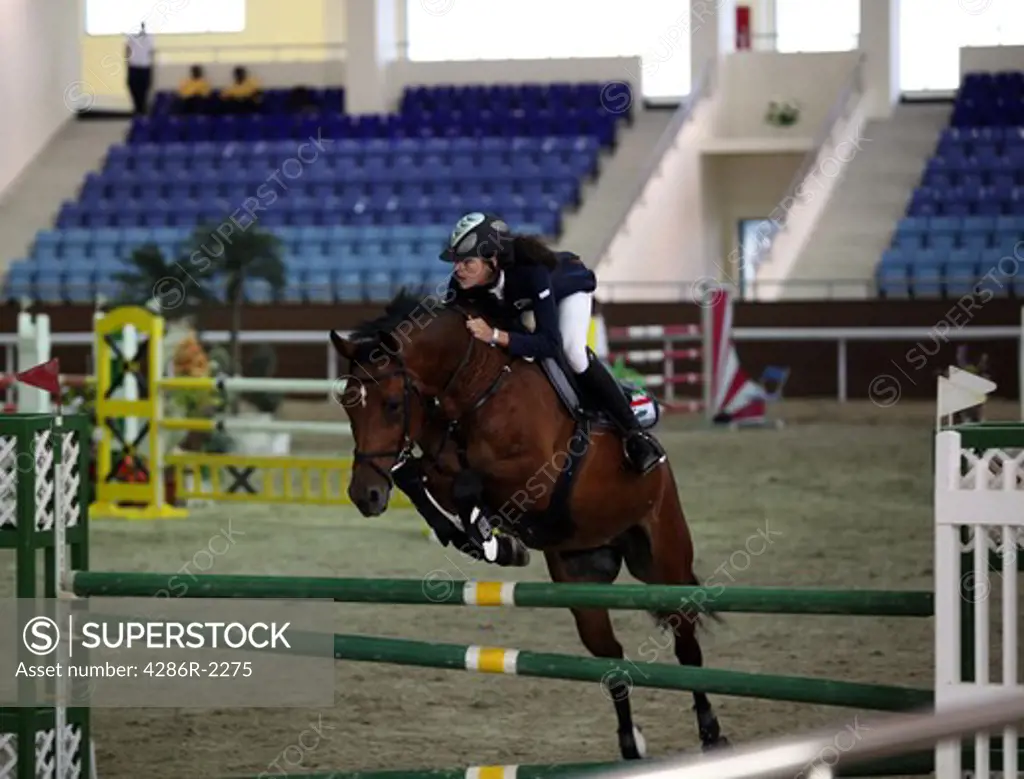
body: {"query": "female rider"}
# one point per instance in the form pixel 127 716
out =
pixel 522 275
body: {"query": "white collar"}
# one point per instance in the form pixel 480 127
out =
pixel 498 290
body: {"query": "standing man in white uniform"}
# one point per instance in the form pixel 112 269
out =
pixel 139 54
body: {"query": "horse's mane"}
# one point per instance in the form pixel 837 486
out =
pixel 398 310
pixel 424 303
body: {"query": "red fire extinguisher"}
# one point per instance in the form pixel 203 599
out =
pixel 742 27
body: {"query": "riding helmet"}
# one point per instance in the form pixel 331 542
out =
pixel 479 235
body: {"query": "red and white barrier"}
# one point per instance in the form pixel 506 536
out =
pixel 728 394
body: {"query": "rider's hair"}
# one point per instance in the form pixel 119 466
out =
pixel 531 250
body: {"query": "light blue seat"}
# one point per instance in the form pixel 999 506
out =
pixel 926 280
pixel 892 275
pixel 378 285
pixel 348 286
pixel 961 277
pixel 975 241
pixel 258 291
pixel 79 285
pixel 411 280
pixel 319 288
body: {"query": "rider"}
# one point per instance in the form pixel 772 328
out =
pixel 519 274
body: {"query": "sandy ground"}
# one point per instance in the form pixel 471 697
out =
pixel 846 492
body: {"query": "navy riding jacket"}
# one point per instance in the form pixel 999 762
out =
pixel 535 288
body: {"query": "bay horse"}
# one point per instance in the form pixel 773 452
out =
pixel 417 377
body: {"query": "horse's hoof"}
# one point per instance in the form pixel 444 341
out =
pixel 633 746
pixel 718 743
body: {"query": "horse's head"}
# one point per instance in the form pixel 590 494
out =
pixel 398 366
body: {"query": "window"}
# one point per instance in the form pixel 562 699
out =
pixel 120 17
pixel 817 25
pixel 931 35
pixel 656 30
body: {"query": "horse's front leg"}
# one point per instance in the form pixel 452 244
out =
pixel 497 548
pixel 429 493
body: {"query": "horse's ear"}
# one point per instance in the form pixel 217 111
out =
pixel 345 348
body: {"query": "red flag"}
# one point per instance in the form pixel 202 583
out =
pixel 45 376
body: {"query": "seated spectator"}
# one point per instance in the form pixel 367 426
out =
pixel 243 95
pixel 193 92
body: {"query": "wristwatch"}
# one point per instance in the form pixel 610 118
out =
pixel 494 337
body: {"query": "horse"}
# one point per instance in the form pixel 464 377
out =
pixel 417 377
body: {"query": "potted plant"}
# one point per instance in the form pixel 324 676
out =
pixel 782 113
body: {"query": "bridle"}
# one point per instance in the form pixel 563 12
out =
pixel 433 404
pixel 403 453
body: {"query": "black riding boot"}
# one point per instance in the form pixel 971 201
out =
pixel 643 452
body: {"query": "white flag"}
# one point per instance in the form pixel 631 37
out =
pixel 970 381
pixel 953 397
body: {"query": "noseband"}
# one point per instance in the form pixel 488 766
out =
pixel 409 389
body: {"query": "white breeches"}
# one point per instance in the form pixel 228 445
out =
pixel 574 323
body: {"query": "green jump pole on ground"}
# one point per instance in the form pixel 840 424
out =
pixel 659 675
pixel 613 673
pixel 441 591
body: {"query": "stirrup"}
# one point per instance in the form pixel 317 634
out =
pixel 649 456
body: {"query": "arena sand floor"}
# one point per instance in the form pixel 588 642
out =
pixel 845 491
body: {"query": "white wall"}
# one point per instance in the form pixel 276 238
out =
pixel 662 239
pixel 735 187
pixel 39 72
pixel 750 80
pixel 991 58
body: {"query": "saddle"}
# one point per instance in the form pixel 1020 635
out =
pixel 555 522
pixel 562 379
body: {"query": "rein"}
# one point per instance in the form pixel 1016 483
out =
pixel 409 389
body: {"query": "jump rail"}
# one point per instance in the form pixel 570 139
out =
pixel 748 600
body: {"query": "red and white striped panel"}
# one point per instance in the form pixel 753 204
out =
pixel 641 332
pixel 733 392
pixel 652 380
pixel 655 355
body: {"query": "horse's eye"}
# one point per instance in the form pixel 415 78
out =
pixel 392 405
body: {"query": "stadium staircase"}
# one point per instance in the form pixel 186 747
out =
pixel 857 223
pixel 962 224
pixel 367 214
pixel 56 174
pixel 606 201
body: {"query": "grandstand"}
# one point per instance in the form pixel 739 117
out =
pixel 377 191
pixel 662 169
pixel 372 199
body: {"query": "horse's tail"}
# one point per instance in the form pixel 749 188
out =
pixel 691 612
pixel 635 547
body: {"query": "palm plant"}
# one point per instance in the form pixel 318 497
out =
pixel 250 255
pixel 174 293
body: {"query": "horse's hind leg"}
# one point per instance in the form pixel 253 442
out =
pixel 671 562
pixel 595 630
